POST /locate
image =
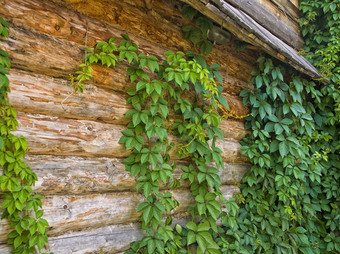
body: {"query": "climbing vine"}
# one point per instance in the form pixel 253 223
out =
pixel 288 201
pixel 290 194
pixel 161 90
pixel 197 31
pixel 320 26
pixel 21 206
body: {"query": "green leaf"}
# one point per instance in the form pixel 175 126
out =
pixel 203 226
pixel 301 230
pixel 178 228
pixel 205 47
pixel 125 36
pixel 33 240
pixel 164 110
pixel 191 225
pixel 147 189
pixel 188 11
pixel 41 242
pixel 283 148
pixel 39 213
pixel 195 35
pixel 41 227
pixel 128 133
pixel 191 238
pixel 258 81
pixel 151 246
pixel 223 101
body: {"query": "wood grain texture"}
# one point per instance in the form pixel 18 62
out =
pixel 59 175
pixel 271 20
pixel 76 212
pixel 73 144
pixel 245 28
pixel 42 94
pixel 288 8
pixel 33 93
pixel 272 44
pixel 32 52
pixel 112 239
pixel 49 135
pixel 64 23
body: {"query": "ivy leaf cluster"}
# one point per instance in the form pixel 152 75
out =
pixel 21 206
pixel 288 202
pixel 290 194
pixel 320 27
pixel 160 93
pixel 197 32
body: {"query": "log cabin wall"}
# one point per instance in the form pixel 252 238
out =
pixel 90 201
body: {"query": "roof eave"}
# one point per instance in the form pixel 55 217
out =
pixel 247 29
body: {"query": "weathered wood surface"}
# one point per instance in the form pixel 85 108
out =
pixel 288 8
pixel 278 46
pixel 59 175
pixel 45 95
pixel 76 212
pixel 49 135
pixel 73 144
pixel 271 21
pixel 244 27
pixel 110 239
pixel 45 28
pixel 58 58
pixel 41 94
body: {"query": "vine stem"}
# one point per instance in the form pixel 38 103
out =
pixel 85 45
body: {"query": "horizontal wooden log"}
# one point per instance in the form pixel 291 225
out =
pixel 47 135
pixel 76 212
pixel 109 239
pixel 163 25
pixel 73 175
pixel 41 94
pixel 63 28
pixel 66 56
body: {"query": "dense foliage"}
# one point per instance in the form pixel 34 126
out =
pixel 320 27
pixel 161 90
pixel 290 194
pixel 290 198
pixel 21 206
pixel 288 202
pixel 197 31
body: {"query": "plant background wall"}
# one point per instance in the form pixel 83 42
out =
pixel 73 138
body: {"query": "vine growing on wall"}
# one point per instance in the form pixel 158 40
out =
pixel 21 206
pixel 161 90
pixel 291 192
pixel 288 201
pixel 290 197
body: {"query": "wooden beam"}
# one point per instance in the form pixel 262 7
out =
pixel 267 19
pixel 34 93
pixel 76 212
pixel 49 135
pixel 278 46
pixel 59 175
pixel 245 28
pixel 48 38
pixel 108 239
pixel 288 8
